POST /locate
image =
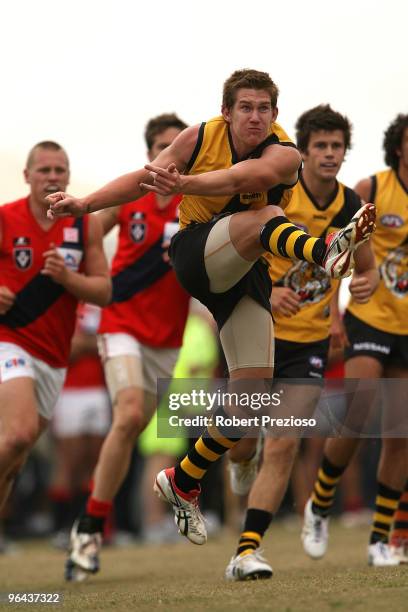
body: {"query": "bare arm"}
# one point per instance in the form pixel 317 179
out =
pixel 108 218
pixel 338 336
pixel 126 188
pixel 95 285
pixel 277 165
pixel 363 188
pixel 366 276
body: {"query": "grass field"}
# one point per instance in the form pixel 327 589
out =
pixel 186 578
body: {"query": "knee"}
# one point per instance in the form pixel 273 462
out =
pixel 280 451
pixel 18 441
pixel 129 419
pixel 269 212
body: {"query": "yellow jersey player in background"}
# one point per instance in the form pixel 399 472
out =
pixel 378 336
pixel 301 297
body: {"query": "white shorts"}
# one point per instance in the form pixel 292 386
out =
pixel 82 412
pixel 127 362
pixel 15 362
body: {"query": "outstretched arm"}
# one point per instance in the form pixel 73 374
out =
pixel 277 165
pixel 126 188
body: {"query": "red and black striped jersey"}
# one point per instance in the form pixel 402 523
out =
pixel 147 300
pixel 42 318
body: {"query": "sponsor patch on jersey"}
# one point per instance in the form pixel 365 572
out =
pixel 316 361
pixel 15 362
pixel 137 232
pixel 391 220
pixel 250 198
pixel 372 346
pixel 23 257
pixel 72 257
pixel 71 234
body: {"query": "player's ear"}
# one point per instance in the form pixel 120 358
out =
pixel 275 112
pixel 25 173
pixel 226 113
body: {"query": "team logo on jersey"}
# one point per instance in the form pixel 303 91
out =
pixel 394 271
pixel 309 281
pixel 316 362
pixel 137 231
pixel 391 220
pixel 71 234
pixel 22 253
pixel 138 214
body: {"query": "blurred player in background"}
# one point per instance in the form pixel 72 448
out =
pixel 378 337
pixel 46 266
pixel 141 333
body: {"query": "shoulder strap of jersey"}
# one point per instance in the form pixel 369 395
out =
pixel 196 148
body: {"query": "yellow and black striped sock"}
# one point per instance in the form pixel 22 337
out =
pixel 325 486
pixel 213 444
pixel 400 530
pixel 256 523
pixel 281 237
pixel 386 504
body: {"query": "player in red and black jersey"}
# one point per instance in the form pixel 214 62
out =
pixel 46 266
pixel 141 332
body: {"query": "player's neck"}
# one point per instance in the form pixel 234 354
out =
pixel 39 212
pixel 403 174
pixel 320 190
pixel 163 201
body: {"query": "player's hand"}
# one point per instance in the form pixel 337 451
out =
pixel 166 256
pixel 363 285
pixel 63 205
pixel 166 181
pixel 338 335
pixel 285 301
pixel 7 299
pixel 54 266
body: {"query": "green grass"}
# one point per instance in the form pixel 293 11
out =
pixel 186 578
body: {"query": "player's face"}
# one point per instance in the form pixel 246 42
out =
pixel 48 173
pixel 162 141
pixel 250 118
pixel 325 154
pixel 403 150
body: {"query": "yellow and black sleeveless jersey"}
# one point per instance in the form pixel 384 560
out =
pixel 388 308
pixel 310 281
pixel 215 151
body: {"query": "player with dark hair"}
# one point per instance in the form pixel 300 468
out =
pixel 378 335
